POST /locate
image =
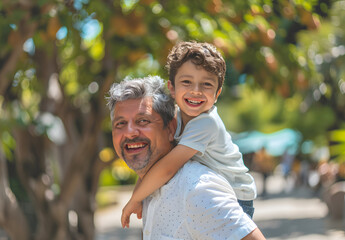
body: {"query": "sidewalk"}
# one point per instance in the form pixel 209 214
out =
pixel 294 213
pixel 286 213
pixel 108 224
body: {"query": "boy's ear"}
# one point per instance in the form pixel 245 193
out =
pixel 171 89
pixel 218 93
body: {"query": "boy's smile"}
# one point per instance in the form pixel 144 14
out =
pixel 193 103
pixel 195 90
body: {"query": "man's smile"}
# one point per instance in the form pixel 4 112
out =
pixel 138 145
pixel 134 146
pixel 130 147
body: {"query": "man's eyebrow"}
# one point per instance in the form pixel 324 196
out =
pixel 118 118
pixel 143 114
pixel 138 114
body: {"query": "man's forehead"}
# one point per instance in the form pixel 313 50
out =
pixel 139 106
pixel 146 105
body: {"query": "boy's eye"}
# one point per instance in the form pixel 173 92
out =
pixel 185 82
pixel 208 84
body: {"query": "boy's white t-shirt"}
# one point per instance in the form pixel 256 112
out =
pixel 207 134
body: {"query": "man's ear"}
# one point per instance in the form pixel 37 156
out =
pixel 172 129
pixel 171 89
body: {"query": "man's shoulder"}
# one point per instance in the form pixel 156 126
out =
pixel 196 181
pixel 194 172
pixel 194 168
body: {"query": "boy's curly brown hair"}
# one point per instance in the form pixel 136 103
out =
pixel 201 54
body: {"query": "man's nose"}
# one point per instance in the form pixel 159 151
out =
pixel 132 131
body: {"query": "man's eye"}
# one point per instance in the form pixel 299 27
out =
pixel 143 121
pixel 119 124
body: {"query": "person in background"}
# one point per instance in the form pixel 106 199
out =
pixel 263 163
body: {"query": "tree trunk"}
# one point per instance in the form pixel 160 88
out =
pixel 41 165
pixel 11 216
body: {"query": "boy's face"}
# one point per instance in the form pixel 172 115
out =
pixel 195 90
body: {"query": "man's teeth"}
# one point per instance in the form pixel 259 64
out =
pixel 194 102
pixel 136 145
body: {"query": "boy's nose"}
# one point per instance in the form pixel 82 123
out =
pixel 196 90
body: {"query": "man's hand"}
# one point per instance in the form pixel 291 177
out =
pixel 131 207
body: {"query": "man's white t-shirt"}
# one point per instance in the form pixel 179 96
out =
pixel 196 203
pixel 207 134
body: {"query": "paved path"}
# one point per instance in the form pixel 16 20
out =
pixel 285 214
pixel 108 225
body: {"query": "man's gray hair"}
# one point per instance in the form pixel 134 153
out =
pixel 151 86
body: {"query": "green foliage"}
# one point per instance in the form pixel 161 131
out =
pixel 315 122
pixel 7 144
pixel 117 174
pixel 107 179
pixel 271 47
pixel 255 110
pixel 337 149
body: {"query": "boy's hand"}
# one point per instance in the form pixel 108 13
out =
pixel 131 207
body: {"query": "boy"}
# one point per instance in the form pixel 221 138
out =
pixel 196 74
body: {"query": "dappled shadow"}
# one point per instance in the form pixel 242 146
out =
pixel 297 193
pixel 293 228
pixel 118 233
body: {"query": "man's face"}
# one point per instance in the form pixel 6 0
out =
pixel 139 135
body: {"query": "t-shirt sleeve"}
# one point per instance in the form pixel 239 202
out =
pixel 212 211
pixel 199 132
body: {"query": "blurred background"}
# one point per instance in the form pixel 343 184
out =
pixel 283 102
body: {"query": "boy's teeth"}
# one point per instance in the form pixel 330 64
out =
pixel 195 102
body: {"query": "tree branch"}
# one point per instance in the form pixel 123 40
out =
pixel 25 30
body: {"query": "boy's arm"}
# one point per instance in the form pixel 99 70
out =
pixel 162 171
pixel 157 176
pixel 137 184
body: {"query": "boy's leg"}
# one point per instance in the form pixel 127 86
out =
pixel 247 207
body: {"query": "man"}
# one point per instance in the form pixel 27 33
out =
pixel 196 203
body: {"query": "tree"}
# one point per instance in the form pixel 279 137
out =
pixel 326 49
pixel 55 72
